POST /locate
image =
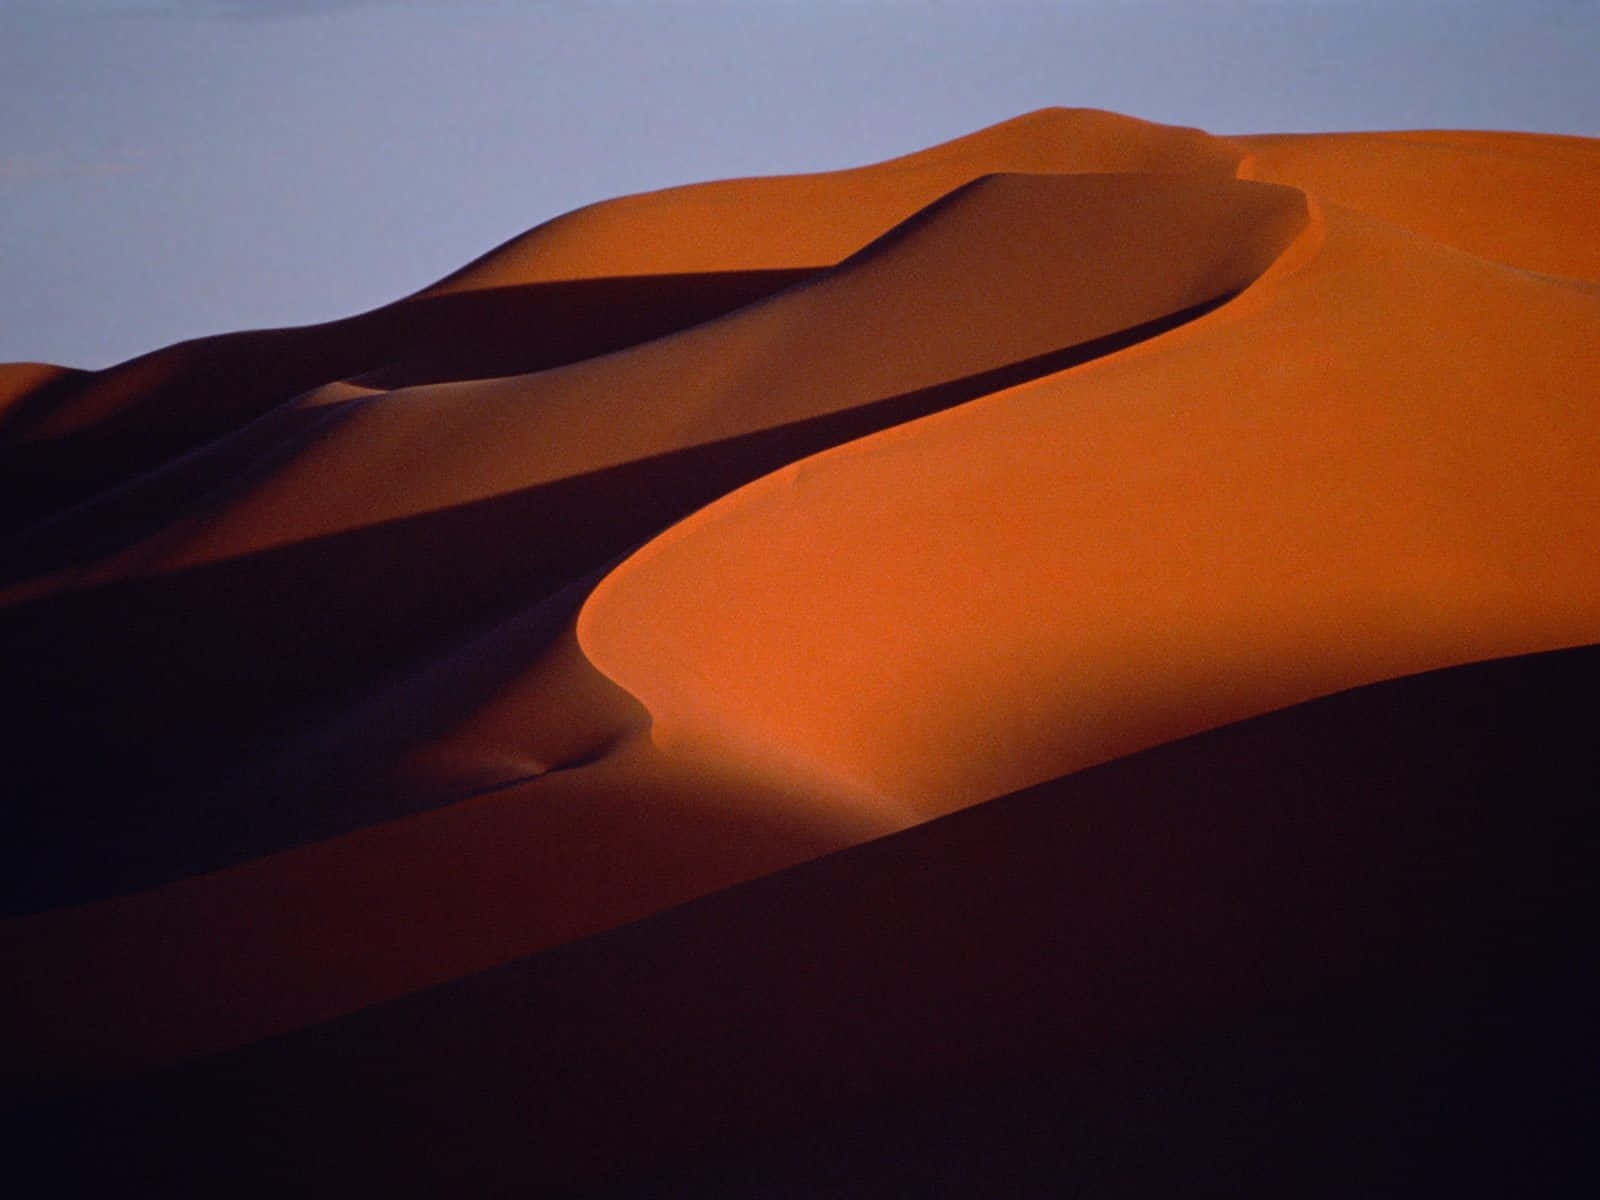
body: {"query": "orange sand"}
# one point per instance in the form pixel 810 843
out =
pixel 699 534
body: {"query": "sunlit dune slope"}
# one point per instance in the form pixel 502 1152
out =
pixel 1455 188
pixel 815 220
pixel 1327 482
pixel 957 553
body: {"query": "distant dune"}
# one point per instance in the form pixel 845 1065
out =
pixel 1062 663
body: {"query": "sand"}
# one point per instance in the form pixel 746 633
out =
pixel 958 644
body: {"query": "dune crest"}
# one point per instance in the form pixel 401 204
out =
pixel 819 219
pixel 391 695
pixel 1455 188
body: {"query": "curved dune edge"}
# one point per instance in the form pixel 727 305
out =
pixel 632 563
pixel 1241 230
pixel 1111 602
pixel 819 219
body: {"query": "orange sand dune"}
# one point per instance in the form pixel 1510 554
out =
pixel 982 280
pixel 928 574
pixel 1455 188
pixel 1130 552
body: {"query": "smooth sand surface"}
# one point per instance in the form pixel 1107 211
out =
pixel 368 678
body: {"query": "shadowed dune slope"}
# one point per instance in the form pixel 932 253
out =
pixel 1339 947
pixel 27 382
pixel 1061 659
pixel 62 444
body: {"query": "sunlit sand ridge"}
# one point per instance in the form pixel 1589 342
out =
pixel 363 670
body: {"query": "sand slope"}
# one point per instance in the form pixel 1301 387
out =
pixel 365 675
pixel 1336 948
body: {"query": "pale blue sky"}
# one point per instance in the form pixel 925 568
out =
pixel 170 169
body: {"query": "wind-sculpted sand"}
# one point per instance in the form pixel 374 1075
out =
pixel 1061 662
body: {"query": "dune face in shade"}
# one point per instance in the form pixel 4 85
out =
pixel 1100 498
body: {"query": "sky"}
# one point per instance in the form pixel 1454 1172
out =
pixel 175 168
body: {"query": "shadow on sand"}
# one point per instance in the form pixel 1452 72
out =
pixel 1333 950
pixel 170 401
pixel 143 694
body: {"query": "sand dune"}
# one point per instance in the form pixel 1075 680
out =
pixel 1172 554
pixel 1455 188
pixel 959 646
pixel 904 315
